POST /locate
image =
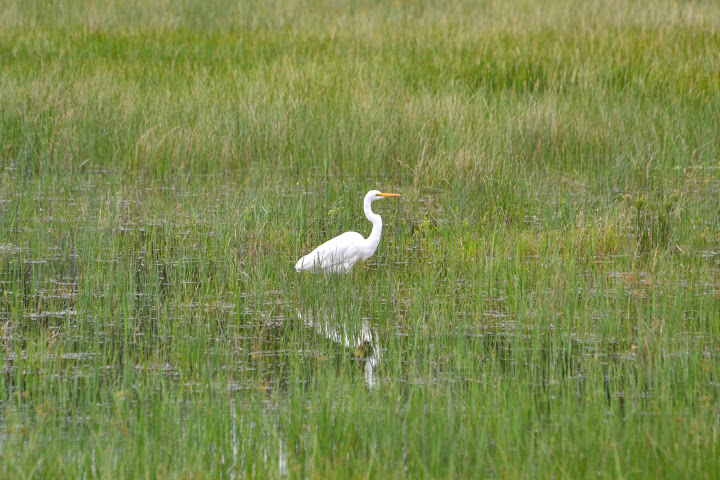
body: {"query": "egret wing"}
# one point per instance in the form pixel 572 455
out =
pixel 336 255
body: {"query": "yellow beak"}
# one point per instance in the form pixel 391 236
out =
pixel 389 195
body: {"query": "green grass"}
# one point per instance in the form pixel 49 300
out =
pixel 544 302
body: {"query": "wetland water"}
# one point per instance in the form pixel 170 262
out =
pixel 153 316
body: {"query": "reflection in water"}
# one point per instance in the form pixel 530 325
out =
pixel 237 463
pixel 363 342
pixel 282 460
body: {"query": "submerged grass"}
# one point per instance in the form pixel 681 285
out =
pixel 544 302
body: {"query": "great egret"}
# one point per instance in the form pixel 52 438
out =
pixel 339 254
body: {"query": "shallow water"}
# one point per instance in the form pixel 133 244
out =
pixel 161 307
pixel 47 288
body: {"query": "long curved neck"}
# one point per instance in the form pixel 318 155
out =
pixel 372 241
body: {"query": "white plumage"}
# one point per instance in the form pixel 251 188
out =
pixel 339 254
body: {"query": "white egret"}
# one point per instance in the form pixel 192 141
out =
pixel 339 254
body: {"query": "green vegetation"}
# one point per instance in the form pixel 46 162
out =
pixel 545 300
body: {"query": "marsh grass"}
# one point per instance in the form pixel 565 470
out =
pixel 544 302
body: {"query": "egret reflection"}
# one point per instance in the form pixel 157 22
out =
pixel 362 339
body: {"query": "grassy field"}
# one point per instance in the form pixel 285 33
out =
pixel 544 302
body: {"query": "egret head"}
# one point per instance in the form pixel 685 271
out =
pixel 373 195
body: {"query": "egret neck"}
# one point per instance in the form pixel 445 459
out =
pixel 373 240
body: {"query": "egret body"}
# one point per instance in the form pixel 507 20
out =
pixel 339 254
